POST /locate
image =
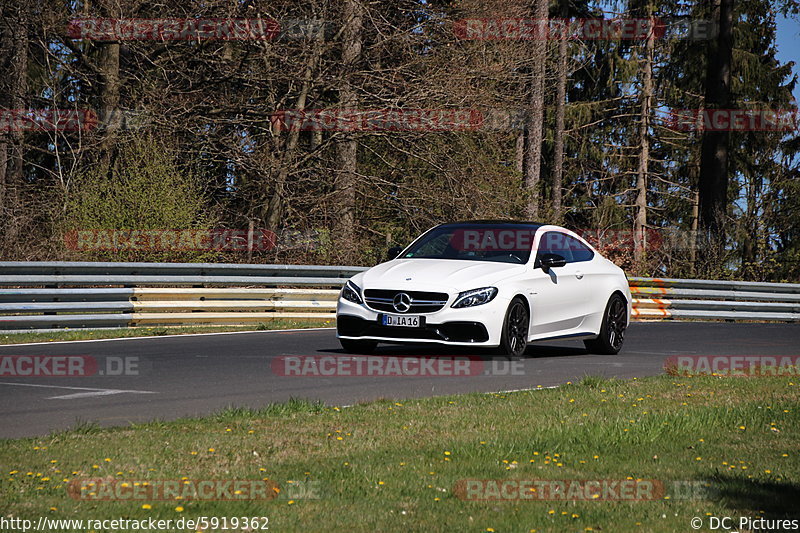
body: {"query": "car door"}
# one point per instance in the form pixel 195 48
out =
pixel 584 268
pixel 557 296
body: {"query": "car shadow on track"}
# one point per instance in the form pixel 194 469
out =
pixel 434 350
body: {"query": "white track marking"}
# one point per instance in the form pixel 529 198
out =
pixel 88 392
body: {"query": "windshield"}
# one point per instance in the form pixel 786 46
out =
pixel 502 242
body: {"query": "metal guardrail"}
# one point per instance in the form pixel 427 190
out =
pixel 657 298
pixel 59 273
pixel 79 295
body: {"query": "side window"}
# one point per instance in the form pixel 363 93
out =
pixel 555 242
pixel 579 250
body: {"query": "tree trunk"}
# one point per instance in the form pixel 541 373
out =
pixel 750 235
pixel 347 148
pixel 110 112
pixel 692 242
pixel 6 57
pixel 12 163
pixel 713 182
pixel 558 141
pixel 646 95
pixel 535 122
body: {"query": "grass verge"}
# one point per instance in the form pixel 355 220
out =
pixel 121 333
pixel 393 466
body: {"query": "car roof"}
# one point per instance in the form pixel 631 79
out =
pixel 496 222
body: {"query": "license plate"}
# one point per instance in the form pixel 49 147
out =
pixel 404 321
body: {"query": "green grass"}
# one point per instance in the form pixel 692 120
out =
pixel 120 333
pixel 392 466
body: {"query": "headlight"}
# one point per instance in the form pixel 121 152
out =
pixel 475 297
pixel 352 293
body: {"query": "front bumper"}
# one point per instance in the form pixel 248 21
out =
pixel 471 326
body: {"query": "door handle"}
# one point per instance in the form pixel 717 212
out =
pixel 579 274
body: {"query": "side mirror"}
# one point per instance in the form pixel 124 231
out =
pixel 548 261
pixel 393 252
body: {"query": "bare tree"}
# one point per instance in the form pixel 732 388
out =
pixel 14 46
pixel 347 148
pixel 535 122
pixel 558 134
pixel 645 103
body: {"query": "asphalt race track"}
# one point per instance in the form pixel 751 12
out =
pixel 194 375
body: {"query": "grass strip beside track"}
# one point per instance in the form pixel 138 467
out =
pixel 121 333
pixel 393 465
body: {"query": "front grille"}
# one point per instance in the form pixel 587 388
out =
pixel 421 301
pixel 352 326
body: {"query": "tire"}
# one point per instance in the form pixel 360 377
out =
pixel 358 347
pixel 612 330
pixel 514 336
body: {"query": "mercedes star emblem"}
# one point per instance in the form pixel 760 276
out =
pixel 402 302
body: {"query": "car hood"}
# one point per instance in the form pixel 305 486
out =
pixel 448 275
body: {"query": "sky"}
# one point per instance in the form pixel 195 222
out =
pixel 788 41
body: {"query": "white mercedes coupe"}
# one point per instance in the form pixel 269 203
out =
pixel 485 283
